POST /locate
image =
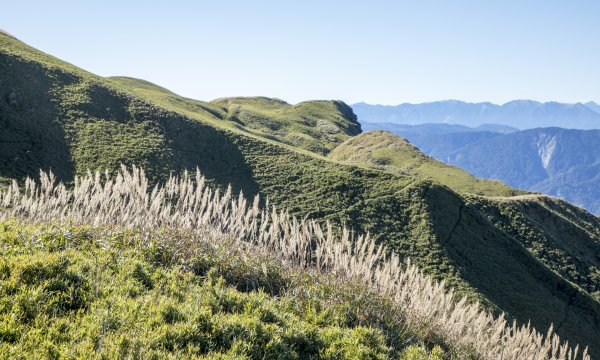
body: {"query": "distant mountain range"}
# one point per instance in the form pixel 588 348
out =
pixel 521 114
pixel 592 105
pixel 555 161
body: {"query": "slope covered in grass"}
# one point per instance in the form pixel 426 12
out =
pixel 183 271
pixel 390 152
pixel 317 126
pixel 75 292
pixel 555 161
pixel 56 116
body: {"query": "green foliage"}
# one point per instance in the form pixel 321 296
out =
pixel 572 257
pixel 77 292
pixel 386 151
pixel 56 116
pixel 317 126
pixel 419 353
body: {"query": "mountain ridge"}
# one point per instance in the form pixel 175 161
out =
pixel 522 114
pixel 89 122
pixel 593 105
pixel 386 151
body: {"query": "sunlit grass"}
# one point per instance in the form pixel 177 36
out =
pixel 189 227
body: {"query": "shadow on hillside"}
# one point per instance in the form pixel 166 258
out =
pixel 51 119
pixel 160 141
pixel 30 138
pixel 499 267
pixel 212 151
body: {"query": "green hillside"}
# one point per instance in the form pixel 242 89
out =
pixel 185 272
pixel 551 160
pixel 389 152
pixel 529 262
pixel 318 126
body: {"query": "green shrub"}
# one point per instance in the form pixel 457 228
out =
pixel 414 352
pixel 112 301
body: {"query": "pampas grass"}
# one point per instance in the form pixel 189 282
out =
pixel 198 213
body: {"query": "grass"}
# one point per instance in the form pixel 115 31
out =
pixel 317 126
pixel 572 258
pixel 71 292
pixel 150 272
pixel 65 119
pixel 386 151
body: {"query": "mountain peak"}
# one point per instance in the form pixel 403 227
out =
pixel 522 102
pixel 593 106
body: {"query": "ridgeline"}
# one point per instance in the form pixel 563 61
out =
pixel 531 256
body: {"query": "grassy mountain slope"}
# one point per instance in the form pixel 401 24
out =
pixel 573 257
pixel 212 280
pixel 317 126
pixel 392 153
pixel 60 117
pixel 555 161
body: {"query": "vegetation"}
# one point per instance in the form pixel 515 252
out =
pixel 183 271
pixel 56 116
pixel 389 152
pixel 574 260
pixel 65 296
pixel 317 126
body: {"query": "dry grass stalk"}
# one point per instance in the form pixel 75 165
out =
pixel 187 205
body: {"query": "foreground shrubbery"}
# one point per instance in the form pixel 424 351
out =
pixel 131 269
pixel 76 292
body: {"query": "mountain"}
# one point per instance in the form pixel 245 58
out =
pixel 6 33
pixel 436 128
pixel 531 256
pixel 554 161
pixel 391 153
pixel 593 106
pixel 521 114
pixel 317 126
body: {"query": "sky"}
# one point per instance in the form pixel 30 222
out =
pixel 380 52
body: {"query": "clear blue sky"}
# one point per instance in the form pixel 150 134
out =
pixel 384 52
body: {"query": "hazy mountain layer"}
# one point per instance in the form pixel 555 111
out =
pixel 594 106
pixel 521 114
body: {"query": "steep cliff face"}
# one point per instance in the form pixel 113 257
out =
pixel 546 145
